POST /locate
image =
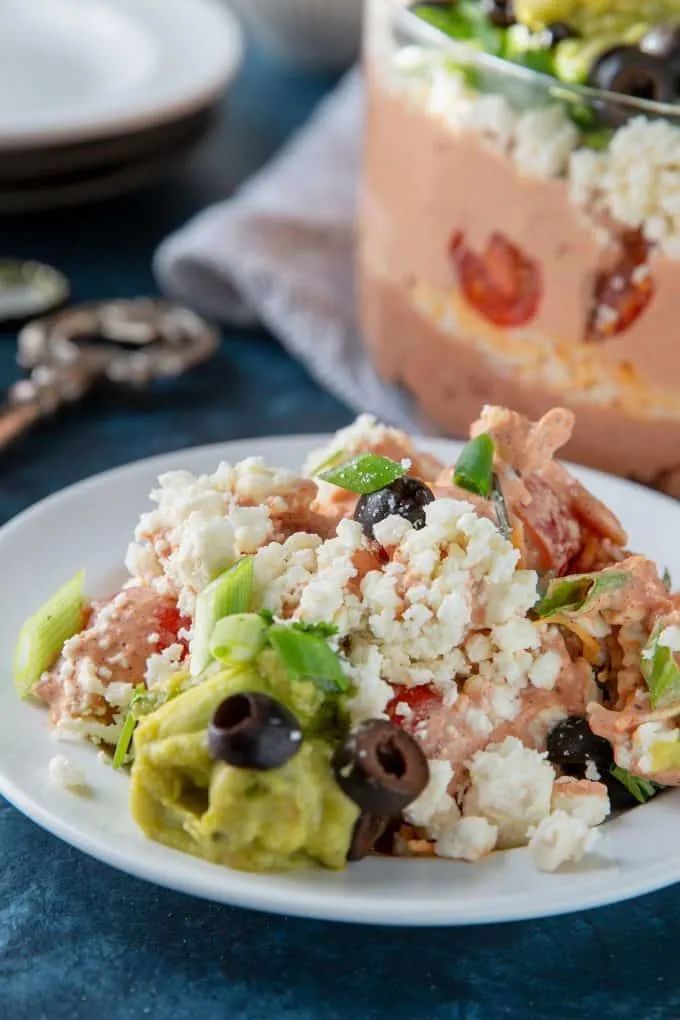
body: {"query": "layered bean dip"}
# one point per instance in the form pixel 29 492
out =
pixel 520 226
pixel 382 653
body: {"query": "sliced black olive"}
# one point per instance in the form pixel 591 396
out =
pixel 406 497
pixel 367 831
pixel 661 41
pixel 558 31
pixel 572 743
pixel 500 13
pixel 381 768
pixel 629 71
pixel 253 731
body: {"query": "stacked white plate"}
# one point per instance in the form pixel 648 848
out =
pixel 102 96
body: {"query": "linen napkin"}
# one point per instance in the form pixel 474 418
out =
pixel 281 252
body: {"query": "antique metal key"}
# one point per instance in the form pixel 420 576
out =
pixel 128 342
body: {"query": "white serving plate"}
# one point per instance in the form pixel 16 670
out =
pixel 89 525
pixel 76 70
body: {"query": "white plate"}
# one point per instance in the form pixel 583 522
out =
pixel 73 70
pixel 90 525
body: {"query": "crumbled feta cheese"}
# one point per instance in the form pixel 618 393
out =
pixel 670 638
pixel 470 839
pixel 634 180
pixel 119 695
pixel 544 140
pixel 478 721
pixel 65 775
pixel 391 530
pixel 86 676
pixel 434 807
pixel 162 665
pixel 478 647
pixel 582 799
pixel 545 670
pixel 511 786
pixel 561 838
pixel 202 524
pixel 372 693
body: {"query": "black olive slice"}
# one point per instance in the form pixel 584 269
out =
pixel 381 768
pixel 253 731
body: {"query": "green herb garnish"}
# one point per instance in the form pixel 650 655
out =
pixel 324 630
pixel 642 789
pixel 306 656
pixel 667 580
pixel 364 474
pixel 465 20
pixel 660 670
pixel 474 467
pixel 578 593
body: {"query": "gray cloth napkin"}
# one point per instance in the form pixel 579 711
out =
pixel 281 252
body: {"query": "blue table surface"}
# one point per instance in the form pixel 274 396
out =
pixel 80 941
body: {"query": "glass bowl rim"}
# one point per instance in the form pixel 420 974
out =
pixel 421 30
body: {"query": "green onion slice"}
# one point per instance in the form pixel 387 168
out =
pixel 332 460
pixel 667 579
pixel 474 467
pixel 230 593
pixel 125 739
pixel 578 593
pixel 238 638
pixel 364 474
pixel 42 636
pixel 660 670
pixel 642 789
pixel 306 656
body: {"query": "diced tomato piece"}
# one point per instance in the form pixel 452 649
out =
pixel 621 294
pixel 503 284
pixel 422 700
pixel 170 621
pixel 553 536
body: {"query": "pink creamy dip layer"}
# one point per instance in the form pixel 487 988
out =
pixel 116 644
pixel 422 184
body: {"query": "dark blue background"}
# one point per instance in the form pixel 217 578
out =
pixel 79 941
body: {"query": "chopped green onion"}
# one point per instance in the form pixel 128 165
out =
pixel 660 670
pixel 667 580
pixel 238 638
pixel 308 657
pixel 642 789
pixel 125 739
pixel 230 593
pixel 578 593
pixel 474 467
pixel 332 460
pixel 267 616
pixel 364 474
pixel 42 636
pixel 500 506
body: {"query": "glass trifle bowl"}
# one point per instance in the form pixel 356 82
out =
pixel 520 225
